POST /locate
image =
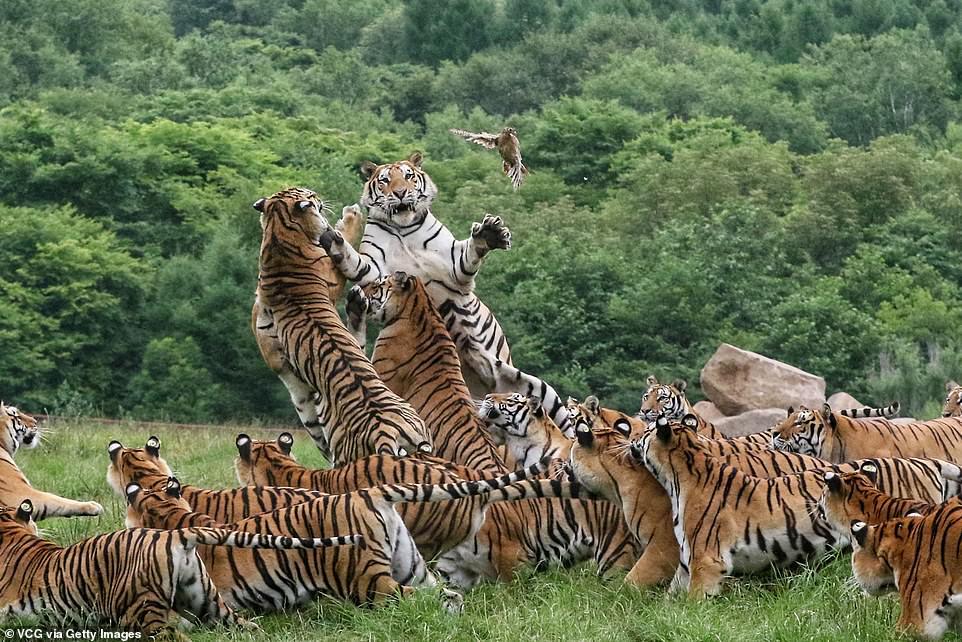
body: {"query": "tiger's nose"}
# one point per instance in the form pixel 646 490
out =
pixel 400 193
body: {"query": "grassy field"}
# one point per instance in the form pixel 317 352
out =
pixel 810 604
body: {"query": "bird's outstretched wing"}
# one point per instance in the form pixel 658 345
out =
pixel 486 140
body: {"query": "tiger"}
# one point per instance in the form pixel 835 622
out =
pixel 436 527
pixel 854 497
pixel 140 579
pixel 145 467
pixel 388 562
pixel 918 556
pixel 403 234
pixel 521 425
pixel 953 400
pixel 837 438
pixel 351 225
pixel 358 415
pixel 20 429
pixel 591 411
pixel 416 358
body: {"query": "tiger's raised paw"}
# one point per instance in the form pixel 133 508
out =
pixel 332 240
pixel 356 306
pixel 492 232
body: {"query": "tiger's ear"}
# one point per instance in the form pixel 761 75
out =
pixel 153 447
pixel 833 482
pixel 690 421
pixel 680 385
pixel 535 406
pixel 24 512
pixel 243 444
pixel 828 416
pixel 585 436
pixel 113 449
pixel 259 204
pixel 285 441
pixel 651 380
pixel 367 169
pixel 592 404
pixel 416 158
pixel 131 492
pixel 663 430
pixel 173 488
pixel 623 426
pixel 404 280
pixel 791 410
pixel 859 532
pixel 870 470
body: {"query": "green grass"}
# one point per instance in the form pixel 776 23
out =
pixel 809 604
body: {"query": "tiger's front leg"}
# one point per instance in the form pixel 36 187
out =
pixel 357 307
pixel 353 265
pixel 490 234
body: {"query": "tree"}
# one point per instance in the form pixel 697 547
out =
pixel 437 31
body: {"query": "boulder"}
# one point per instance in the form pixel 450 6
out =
pixel 708 411
pixel 737 381
pixel 844 401
pixel 750 422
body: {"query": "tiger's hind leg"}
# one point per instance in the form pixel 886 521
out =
pixel 409 569
pixel 196 593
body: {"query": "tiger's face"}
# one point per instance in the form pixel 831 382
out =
pixel 953 400
pixel 663 399
pixel 256 460
pixel 296 210
pixel 18 430
pixel 802 431
pixel 399 194
pixel 142 466
pixel 844 496
pixel 871 553
pixel 147 508
pixel 391 295
pixel 508 415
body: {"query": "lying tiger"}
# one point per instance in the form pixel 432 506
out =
pixel 19 429
pixel 357 414
pixel 832 436
pixel 403 234
pixel 145 580
pixel 920 557
pixel 417 359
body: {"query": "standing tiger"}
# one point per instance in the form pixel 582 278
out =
pixel 403 234
pixel 953 400
pixel 139 579
pixel 416 358
pixel 304 398
pixel 357 414
pixel 919 556
pixel 19 429
pixel 833 436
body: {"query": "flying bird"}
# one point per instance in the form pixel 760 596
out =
pixel 507 145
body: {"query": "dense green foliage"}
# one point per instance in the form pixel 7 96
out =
pixel 785 176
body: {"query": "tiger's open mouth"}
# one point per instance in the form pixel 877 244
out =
pixel 403 208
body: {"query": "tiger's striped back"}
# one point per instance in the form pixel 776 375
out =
pixel 142 576
pixel 416 358
pixel 359 414
pixel 837 438
pixel 854 497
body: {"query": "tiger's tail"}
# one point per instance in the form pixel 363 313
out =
pixel 240 539
pixel 397 493
pixel 887 412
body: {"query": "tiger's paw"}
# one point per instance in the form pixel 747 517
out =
pixel 333 242
pixel 492 232
pixel 92 509
pixel 356 306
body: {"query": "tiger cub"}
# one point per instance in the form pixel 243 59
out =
pixel 953 400
pixel 145 467
pixel 357 415
pixel 19 429
pixel 387 563
pixel 833 436
pixel 417 359
pixel 919 556
pixel 140 579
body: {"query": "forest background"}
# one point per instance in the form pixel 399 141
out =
pixel 782 175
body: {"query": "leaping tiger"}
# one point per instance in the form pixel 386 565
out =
pixel 402 234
